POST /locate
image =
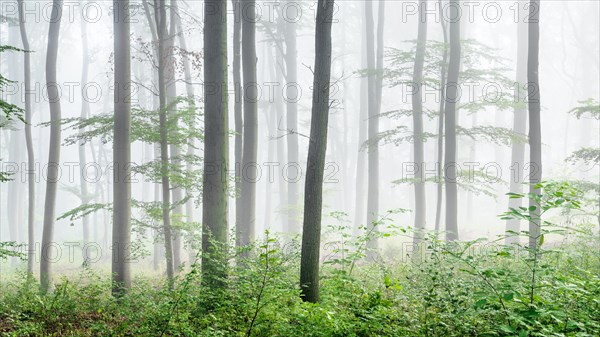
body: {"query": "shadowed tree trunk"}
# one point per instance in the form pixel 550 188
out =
pixel 47 252
pixel 216 143
pixel 535 129
pixel 452 98
pixel 313 196
pixel 121 234
pixel 519 127
pixel 245 230
pixel 417 103
pixel 29 143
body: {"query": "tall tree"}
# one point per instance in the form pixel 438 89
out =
pixel 29 143
pixel 216 144
pixel 535 129
pixel 374 64
pixel 440 135
pixel 47 251
pixel 237 107
pixel 313 190
pixel 452 98
pixel 160 15
pixel 417 115
pixel 121 234
pixel 245 230
pixel 292 95
pixel 359 209
pixel 519 127
pixel 85 108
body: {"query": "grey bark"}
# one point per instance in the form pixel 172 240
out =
pixel 47 251
pixel 440 135
pixel 313 190
pixel 85 108
pixel 450 124
pixel 121 233
pixel 216 144
pixel 29 144
pixel 237 108
pixel 535 130
pixel 245 230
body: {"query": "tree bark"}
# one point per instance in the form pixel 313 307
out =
pixel 359 205
pixel 440 136
pixel 85 108
pixel 535 129
pixel 160 16
pixel 214 192
pixel 237 108
pixel 121 234
pixel 519 127
pixel 47 252
pixel 452 98
pixel 417 104
pixel 313 196
pixel 29 144
pixel 245 231
pixel 292 96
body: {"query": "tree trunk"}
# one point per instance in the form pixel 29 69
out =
pixel 160 16
pixel 237 108
pixel 452 98
pixel 535 130
pixel 29 143
pixel 313 190
pixel 374 101
pixel 216 139
pixel 417 104
pixel 85 108
pixel 47 252
pixel 292 96
pixel 359 201
pixel 440 139
pixel 519 127
pixel 245 231
pixel 121 234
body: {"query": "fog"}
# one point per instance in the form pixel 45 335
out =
pixel 569 74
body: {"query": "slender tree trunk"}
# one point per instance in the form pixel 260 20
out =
pixel 189 88
pixel 292 97
pixel 282 156
pixel 452 98
pixel 313 191
pixel 237 108
pixel 160 15
pixel 440 139
pixel 29 143
pixel 54 144
pixel 121 234
pixel 216 144
pixel 175 153
pixel 85 107
pixel 245 232
pixel 375 90
pixel 417 103
pixel 359 202
pixel 519 127
pixel 535 130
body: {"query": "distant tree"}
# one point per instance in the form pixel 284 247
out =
pixel 535 130
pixel 54 148
pixel 417 115
pixel 29 143
pixel 313 191
pixel 452 98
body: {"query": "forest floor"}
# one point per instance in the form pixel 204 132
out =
pixel 453 290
